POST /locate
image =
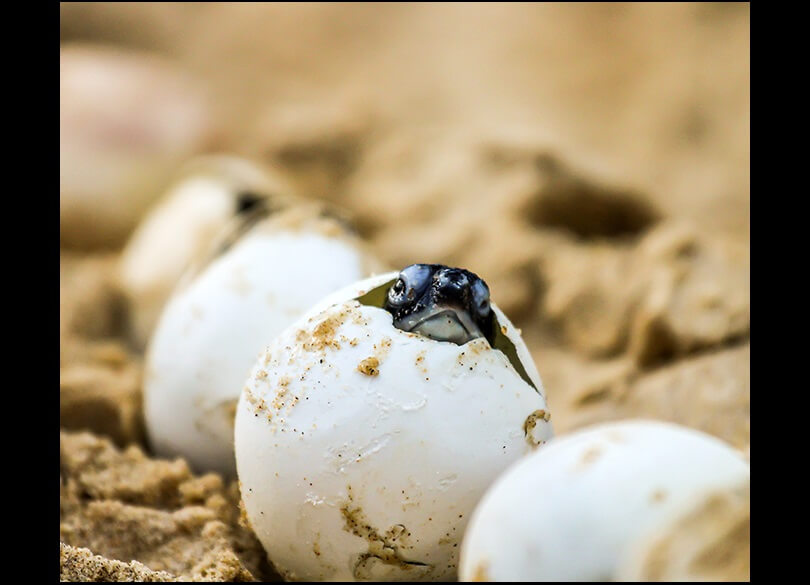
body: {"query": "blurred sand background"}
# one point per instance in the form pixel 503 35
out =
pixel 590 161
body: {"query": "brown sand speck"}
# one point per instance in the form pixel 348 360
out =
pixel 531 422
pixel 369 366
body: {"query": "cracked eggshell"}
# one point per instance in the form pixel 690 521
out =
pixel 214 326
pixel 362 449
pixel 573 510
pixel 180 228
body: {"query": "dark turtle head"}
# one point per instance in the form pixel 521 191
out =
pixel 443 303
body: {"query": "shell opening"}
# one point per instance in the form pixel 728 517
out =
pixel 496 337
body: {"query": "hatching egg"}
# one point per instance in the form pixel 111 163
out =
pixel 369 429
pixel 262 275
pixel 574 510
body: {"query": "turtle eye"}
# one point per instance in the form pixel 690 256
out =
pixel 412 282
pixel 396 294
pixel 480 298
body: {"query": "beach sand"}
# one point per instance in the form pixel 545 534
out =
pixel 590 162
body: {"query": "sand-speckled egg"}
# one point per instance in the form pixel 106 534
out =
pixel 574 510
pixel 369 429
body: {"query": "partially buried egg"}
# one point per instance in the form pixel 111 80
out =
pixel 369 429
pixel 577 509
pixel 261 275
pixel 205 196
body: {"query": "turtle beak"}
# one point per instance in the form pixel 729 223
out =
pixel 444 323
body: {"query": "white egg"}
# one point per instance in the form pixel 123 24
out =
pixel 206 195
pixel 573 510
pixel 217 323
pixel 362 449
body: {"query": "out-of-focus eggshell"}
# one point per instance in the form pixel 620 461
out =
pixel 571 510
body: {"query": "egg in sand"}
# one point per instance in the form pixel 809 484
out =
pixel 259 277
pixel 369 429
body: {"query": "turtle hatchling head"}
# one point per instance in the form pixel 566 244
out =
pixel 443 303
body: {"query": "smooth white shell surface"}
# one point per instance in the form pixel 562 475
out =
pixel 572 510
pixel 212 331
pixel 362 449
